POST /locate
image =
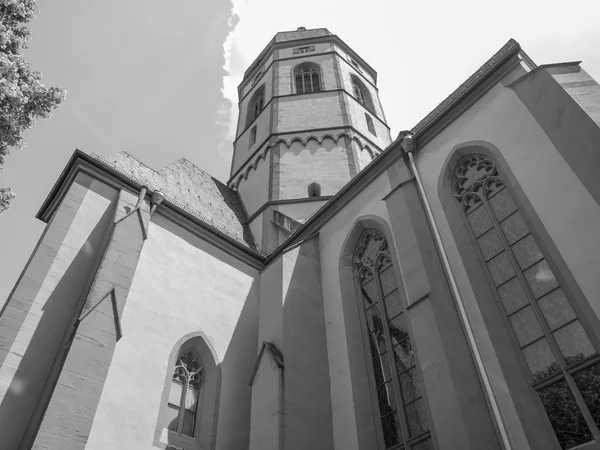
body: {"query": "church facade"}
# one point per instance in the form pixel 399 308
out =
pixel 343 290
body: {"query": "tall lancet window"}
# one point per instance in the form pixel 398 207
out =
pixel 307 78
pixel 563 365
pixel 402 408
pixel 183 397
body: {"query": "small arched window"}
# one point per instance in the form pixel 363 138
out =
pixel 370 125
pixel 252 136
pixel 564 367
pixel 402 408
pixel 361 93
pixel 255 105
pixel 186 383
pixel 307 78
pixel 314 190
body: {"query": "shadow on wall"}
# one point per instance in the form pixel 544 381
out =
pixel 225 396
pixel 29 386
pixel 238 362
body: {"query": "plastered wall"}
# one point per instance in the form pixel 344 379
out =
pixel 34 323
pixel 182 286
pixel 254 190
pixel 332 238
pixel 565 207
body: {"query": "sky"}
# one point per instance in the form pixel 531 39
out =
pixel 158 79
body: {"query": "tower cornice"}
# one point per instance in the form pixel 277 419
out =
pixel 273 45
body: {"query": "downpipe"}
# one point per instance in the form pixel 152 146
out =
pixel 409 147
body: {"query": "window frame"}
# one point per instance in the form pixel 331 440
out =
pixel 313 70
pixel 184 388
pixel 362 94
pixel 370 125
pixel 565 372
pixel 380 265
pixel 256 104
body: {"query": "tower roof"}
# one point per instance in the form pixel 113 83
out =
pixel 301 33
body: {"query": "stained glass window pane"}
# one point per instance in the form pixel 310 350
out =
pixel 502 204
pixel 189 419
pixel 480 221
pixel 381 365
pixel 378 343
pixel 410 386
pixel 388 280
pixel 514 227
pixel 556 309
pixel 373 315
pixel 490 244
pixel 526 326
pixel 368 293
pixel 191 398
pixel 541 279
pixel 527 252
pixel 417 417
pixel 573 342
pixel 171 419
pixel 588 382
pixel 540 359
pixel 398 329
pixel 175 393
pixel 501 268
pixel 566 418
pixel 392 432
pixel 392 304
pixel 512 295
pixel 404 356
pixel 387 398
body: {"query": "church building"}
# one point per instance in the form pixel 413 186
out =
pixel 344 289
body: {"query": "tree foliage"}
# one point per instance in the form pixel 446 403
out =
pixel 23 97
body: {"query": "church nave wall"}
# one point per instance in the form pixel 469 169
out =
pixel 183 286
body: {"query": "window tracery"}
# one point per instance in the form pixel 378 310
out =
pixel 186 383
pixel 402 408
pixel 563 364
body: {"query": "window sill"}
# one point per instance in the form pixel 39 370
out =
pixel 176 441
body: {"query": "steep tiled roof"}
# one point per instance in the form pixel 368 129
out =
pixel 191 189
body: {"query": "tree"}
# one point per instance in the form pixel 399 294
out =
pixel 23 97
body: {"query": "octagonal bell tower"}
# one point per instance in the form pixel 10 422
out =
pixel 309 120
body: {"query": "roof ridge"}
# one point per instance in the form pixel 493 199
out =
pixel 483 70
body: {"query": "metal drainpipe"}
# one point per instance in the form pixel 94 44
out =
pixel 408 144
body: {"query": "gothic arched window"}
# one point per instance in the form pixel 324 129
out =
pixel 361 93
pixel 307 78
pixel 255 105
pixel 563 363
pixel 183 397
pixel 402 409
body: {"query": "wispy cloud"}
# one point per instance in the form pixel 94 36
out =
pixel 228 111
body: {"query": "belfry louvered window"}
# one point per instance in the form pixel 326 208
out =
pixel 564 367
pixel 307 78
pixel 402 409
pixel 186 383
